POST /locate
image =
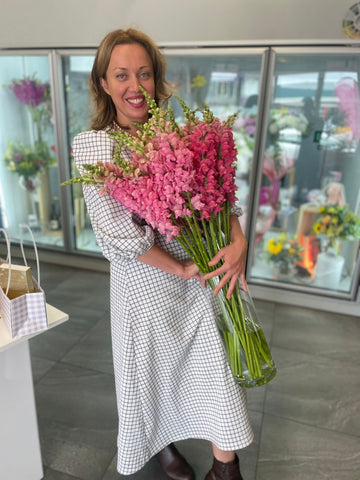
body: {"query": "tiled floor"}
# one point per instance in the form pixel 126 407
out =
pixel 306 421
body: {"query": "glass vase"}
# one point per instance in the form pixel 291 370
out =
pixel 283 271
pixel 245 344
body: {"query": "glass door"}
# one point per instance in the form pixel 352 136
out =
pixel 309 201
pixel 76 69
pixel 228 80
pixel 29 183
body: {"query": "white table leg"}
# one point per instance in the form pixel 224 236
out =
pixel 20 455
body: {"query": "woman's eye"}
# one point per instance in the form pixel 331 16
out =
pixel 144 75
pixel 121 76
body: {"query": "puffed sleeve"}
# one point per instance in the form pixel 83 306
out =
pixel 118 232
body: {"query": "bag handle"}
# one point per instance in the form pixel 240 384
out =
pixel 22 226
pixel 8 258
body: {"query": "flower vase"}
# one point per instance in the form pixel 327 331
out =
pixel 282 271
pixel 328 269
pixel 30 184
pixel 245 344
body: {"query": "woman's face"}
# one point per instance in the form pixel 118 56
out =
pixel 129 67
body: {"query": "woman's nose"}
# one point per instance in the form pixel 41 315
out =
pixel 134 83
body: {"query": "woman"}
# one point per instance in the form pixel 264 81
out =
pixel 172 378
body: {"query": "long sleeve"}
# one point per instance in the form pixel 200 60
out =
pixel 118 232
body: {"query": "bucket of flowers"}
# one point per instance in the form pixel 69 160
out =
pixel 27 161
pixel 283 252
pixel 336 223
pixel 181 181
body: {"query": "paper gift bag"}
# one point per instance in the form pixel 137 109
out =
pixel 26 313
pixel 21 279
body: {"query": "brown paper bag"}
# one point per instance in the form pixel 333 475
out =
pixel 21 280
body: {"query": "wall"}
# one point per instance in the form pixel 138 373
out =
pixel 83 23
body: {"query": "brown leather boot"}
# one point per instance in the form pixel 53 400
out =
pixel 225 471
pixel 174 464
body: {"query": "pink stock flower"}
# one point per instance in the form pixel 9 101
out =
pixel 174 172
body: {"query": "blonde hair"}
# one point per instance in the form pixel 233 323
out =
pixel 104 111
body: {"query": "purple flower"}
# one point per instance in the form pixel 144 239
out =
pixel 250 130
pixel 30 92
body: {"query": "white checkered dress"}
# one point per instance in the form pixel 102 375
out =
pixel 172 378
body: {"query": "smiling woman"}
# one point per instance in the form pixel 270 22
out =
pixel 164 335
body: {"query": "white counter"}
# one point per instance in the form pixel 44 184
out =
pixel 20 455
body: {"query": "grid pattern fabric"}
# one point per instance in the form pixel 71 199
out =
pixel 172 378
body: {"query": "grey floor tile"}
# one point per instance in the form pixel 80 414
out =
pixel 292 451
pixel 76 405
pixel 265 312
pixel 248 456
pixel 84 318
pixel 316 332
pixel 315 390
pixel 40 366
pixel 56 342
pixel 82 290
pixel 81 461
pixel 53 275
pixel 50 474
pixel 197 453
pixel 151 471
pixel 94 350
pixel 256 398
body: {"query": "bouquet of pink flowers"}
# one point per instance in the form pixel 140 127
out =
pixel 181 181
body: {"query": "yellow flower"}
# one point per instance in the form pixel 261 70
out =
pixel 198 81
pixel 317 228
pixel 291 251
pixel 275 248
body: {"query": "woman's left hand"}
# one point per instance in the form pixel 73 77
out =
pixel 234 260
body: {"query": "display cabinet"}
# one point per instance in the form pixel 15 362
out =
pixel 308 188
pixel 297 134
pixel 29 181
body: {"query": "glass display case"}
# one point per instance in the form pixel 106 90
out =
pixel 228 80
pixel 29 182
pixel 297 135
pixel 309 192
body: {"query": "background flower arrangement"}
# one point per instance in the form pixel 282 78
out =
pixel 28 160
pixel 283 251
pixel 337 223
pixel 283 118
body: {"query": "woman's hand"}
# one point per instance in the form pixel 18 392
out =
pixel 234 260
pixel 190 270
pixel 157 257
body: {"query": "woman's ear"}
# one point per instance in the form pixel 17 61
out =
pixel 104 85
